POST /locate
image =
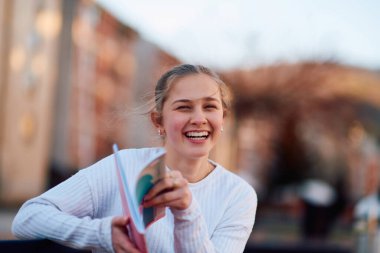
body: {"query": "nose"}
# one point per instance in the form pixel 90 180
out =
pixel 198 117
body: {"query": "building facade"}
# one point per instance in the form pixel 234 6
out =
pixel 70 76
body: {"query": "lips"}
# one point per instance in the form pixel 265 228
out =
pixel 197 135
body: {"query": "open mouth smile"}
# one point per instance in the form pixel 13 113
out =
pixel 197 135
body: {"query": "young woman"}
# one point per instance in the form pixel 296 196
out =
pixel 209 209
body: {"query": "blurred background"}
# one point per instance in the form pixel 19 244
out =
pixel 304 128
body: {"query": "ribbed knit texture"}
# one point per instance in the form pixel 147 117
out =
pixel 78 212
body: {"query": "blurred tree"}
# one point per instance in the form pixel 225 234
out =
pixel 305 102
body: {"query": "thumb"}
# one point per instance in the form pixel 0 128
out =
pixel 120 221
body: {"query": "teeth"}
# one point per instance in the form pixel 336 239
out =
pixel 202 135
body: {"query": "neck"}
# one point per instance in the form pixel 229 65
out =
pixel 193 170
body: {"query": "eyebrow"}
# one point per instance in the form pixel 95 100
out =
pixel 189 100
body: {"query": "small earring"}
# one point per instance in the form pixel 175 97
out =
pixel 222 129
pixel 161 132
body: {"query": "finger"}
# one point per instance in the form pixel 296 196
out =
pixel 164 185
pixel 164 198
pixel 179 204
pixel 120 221
pixel 176 183
pixel 181 192
pixel 128 247
pixel 180 201
pixel 173 174
pixel 120 238
pixel 158 187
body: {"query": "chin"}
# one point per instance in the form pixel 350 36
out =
pixel 198 153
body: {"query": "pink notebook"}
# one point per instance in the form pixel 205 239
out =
pixel 132 192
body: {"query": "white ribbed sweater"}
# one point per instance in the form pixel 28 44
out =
pixel 78 212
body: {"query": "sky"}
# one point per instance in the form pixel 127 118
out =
pixel 232 34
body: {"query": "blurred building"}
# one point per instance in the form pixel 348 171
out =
pixel 313 119
pixel 69 75
pixel 308 140
pixel 74 80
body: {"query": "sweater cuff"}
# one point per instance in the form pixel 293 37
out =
pixel 106 234
pixel 190 213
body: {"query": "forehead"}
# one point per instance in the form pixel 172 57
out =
pixel 193 87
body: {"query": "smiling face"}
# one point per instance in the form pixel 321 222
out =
pixel 192 116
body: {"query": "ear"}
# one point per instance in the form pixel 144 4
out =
pixel 156 119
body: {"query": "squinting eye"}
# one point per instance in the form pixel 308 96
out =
pixel 183 107
pixel 211 107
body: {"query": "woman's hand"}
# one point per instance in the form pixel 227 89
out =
pixel 120 240
pixel 171 191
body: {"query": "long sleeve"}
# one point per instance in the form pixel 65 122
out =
pixel 190 230
pixel 223 222
pixel 234 229
pixel 63 214
pixel 79 211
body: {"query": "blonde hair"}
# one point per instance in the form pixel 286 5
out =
pixel 164 84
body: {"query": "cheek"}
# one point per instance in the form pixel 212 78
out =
pixel 175 125
pixel 217 121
